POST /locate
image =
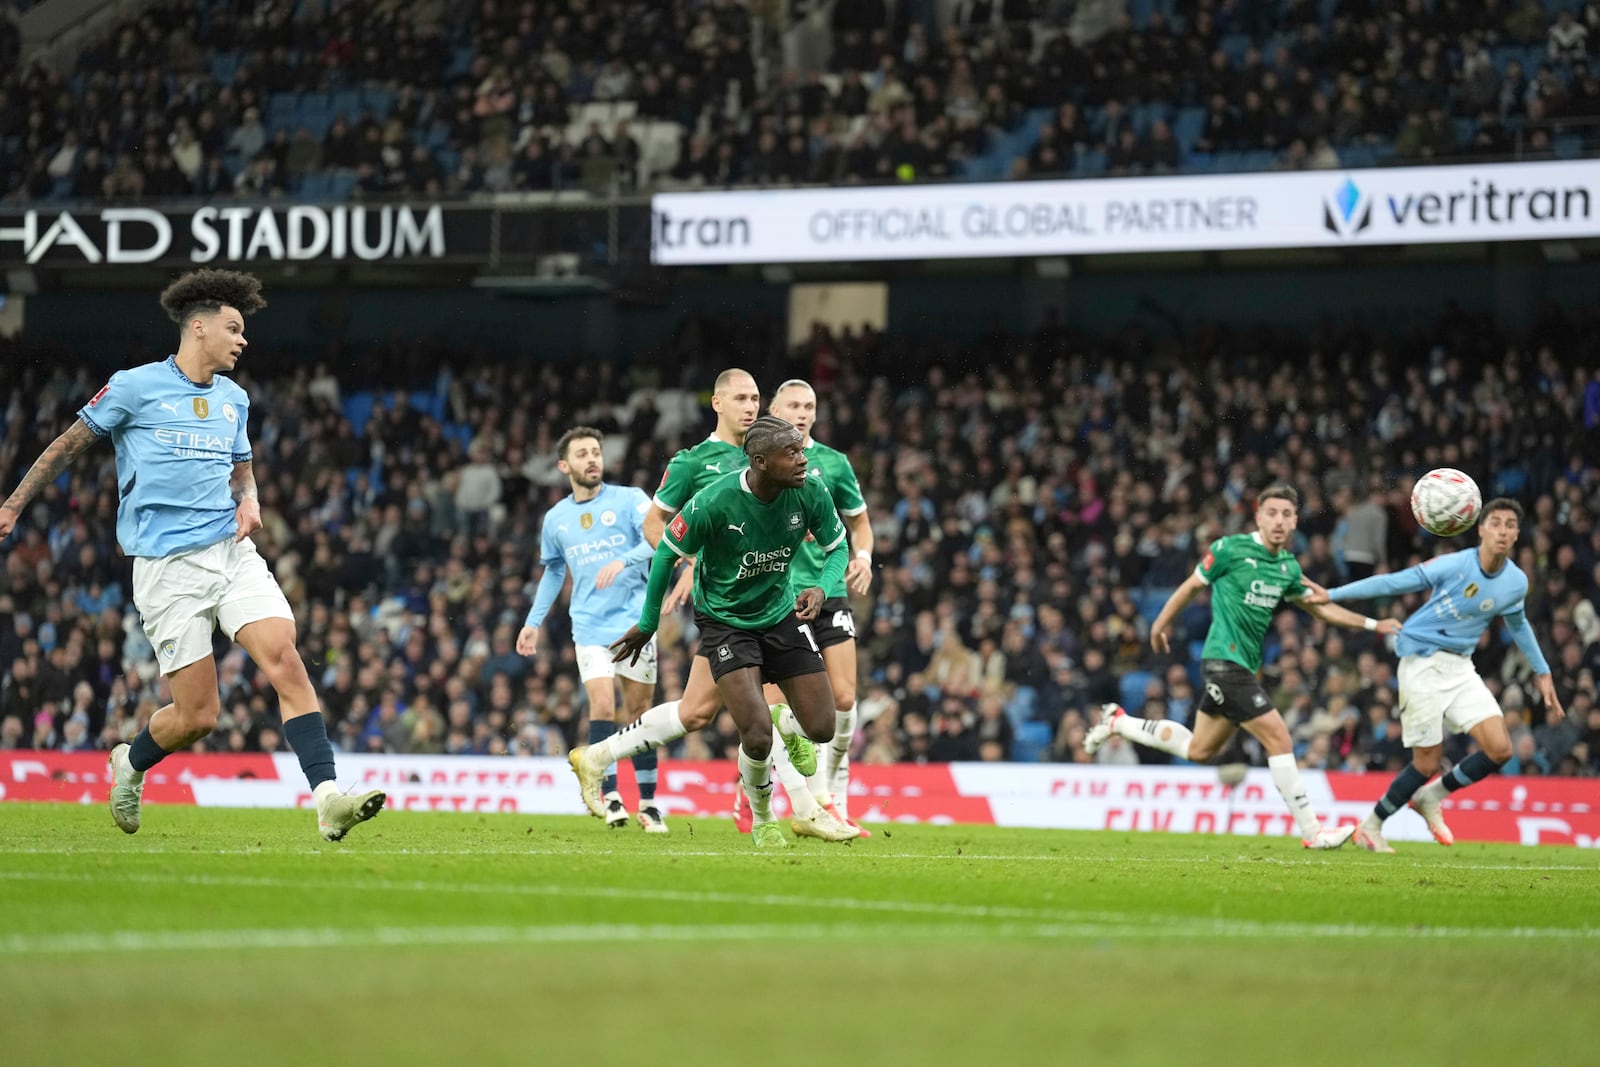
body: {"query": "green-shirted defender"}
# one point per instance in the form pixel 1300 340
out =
pixel 1249 576
pixel 746 530
pixel 737 401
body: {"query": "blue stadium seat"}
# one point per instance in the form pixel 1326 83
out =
pixel 283 106
pixel 1151 601
pixel 346 102
pixel 379 101
pixel 427 403
pixel 1568 146
pixel 1131 689
pixel 1188 123
pixel 1358 155
pixel 1032 742
pixel 357 409
pixel 224 65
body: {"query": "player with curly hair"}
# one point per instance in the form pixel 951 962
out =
pixel 186 508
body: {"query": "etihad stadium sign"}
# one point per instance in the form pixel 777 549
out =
pixel 1382 206
pixel 241 233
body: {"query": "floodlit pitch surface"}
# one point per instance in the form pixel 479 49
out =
pixel 229 937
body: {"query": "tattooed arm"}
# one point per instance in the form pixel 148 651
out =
pixel 46 469
pixel 248 514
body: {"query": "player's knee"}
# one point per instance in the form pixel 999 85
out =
pixel 1498 749
pixel 756 745
pixel 844 696
pixel 1426 763
pixel 199 718
pixel 283 667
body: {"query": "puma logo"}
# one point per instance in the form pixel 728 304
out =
pixel 170 407
pixel 1252 562
pixel 739 529
pixel 714 467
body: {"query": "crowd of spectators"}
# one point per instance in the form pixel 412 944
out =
pixel 334 98
pixel 1034 499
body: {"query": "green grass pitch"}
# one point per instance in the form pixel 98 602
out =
pixel 239 937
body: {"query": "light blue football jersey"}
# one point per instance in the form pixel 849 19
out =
pixel 1464 600
pixel 176 444
pixel 584 538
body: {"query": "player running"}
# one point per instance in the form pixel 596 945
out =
pixel 745 530
pixel 796 403
pixel 598 532
pixel 1249 575
pixel 1438 686
pixel 186 509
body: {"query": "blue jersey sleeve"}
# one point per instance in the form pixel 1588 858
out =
pixel 113 407
pixel 242 452
pixel 1517 626
pixel 554 577
pixel 1411 580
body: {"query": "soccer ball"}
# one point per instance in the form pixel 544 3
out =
pixel 1446 502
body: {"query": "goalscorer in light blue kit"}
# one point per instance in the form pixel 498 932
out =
pixel 1439 688
pixel 597 533
pixel 186 508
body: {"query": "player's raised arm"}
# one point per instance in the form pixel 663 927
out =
pixel 57 456
pixel 1411 580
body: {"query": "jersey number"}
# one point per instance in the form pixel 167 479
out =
pixel 805 628
pixel 842 620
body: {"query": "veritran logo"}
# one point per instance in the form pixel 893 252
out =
pixel 1474 209
pixel 1347 212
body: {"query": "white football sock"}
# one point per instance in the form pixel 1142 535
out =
pixel 1163 734
pixel 1434 791
pixel 1286 776
pixel 837 758
pixel 656 727
pixel 795 784
pixel 756 777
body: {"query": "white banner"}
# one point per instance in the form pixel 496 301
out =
pixel 1410 205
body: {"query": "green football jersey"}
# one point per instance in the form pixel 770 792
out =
pixel 832 468
pixel 1247 585
pixel 745 547
pixel 692 469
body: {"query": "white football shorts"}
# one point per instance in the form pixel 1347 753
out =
pixel 594 661
pixel 1439 692
pixel 183 598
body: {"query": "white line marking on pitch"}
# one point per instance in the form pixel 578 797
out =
pixel 1137 924
pixel 134 941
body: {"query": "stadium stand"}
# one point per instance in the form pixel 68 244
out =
pixel 331 100
pixel 1035 498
